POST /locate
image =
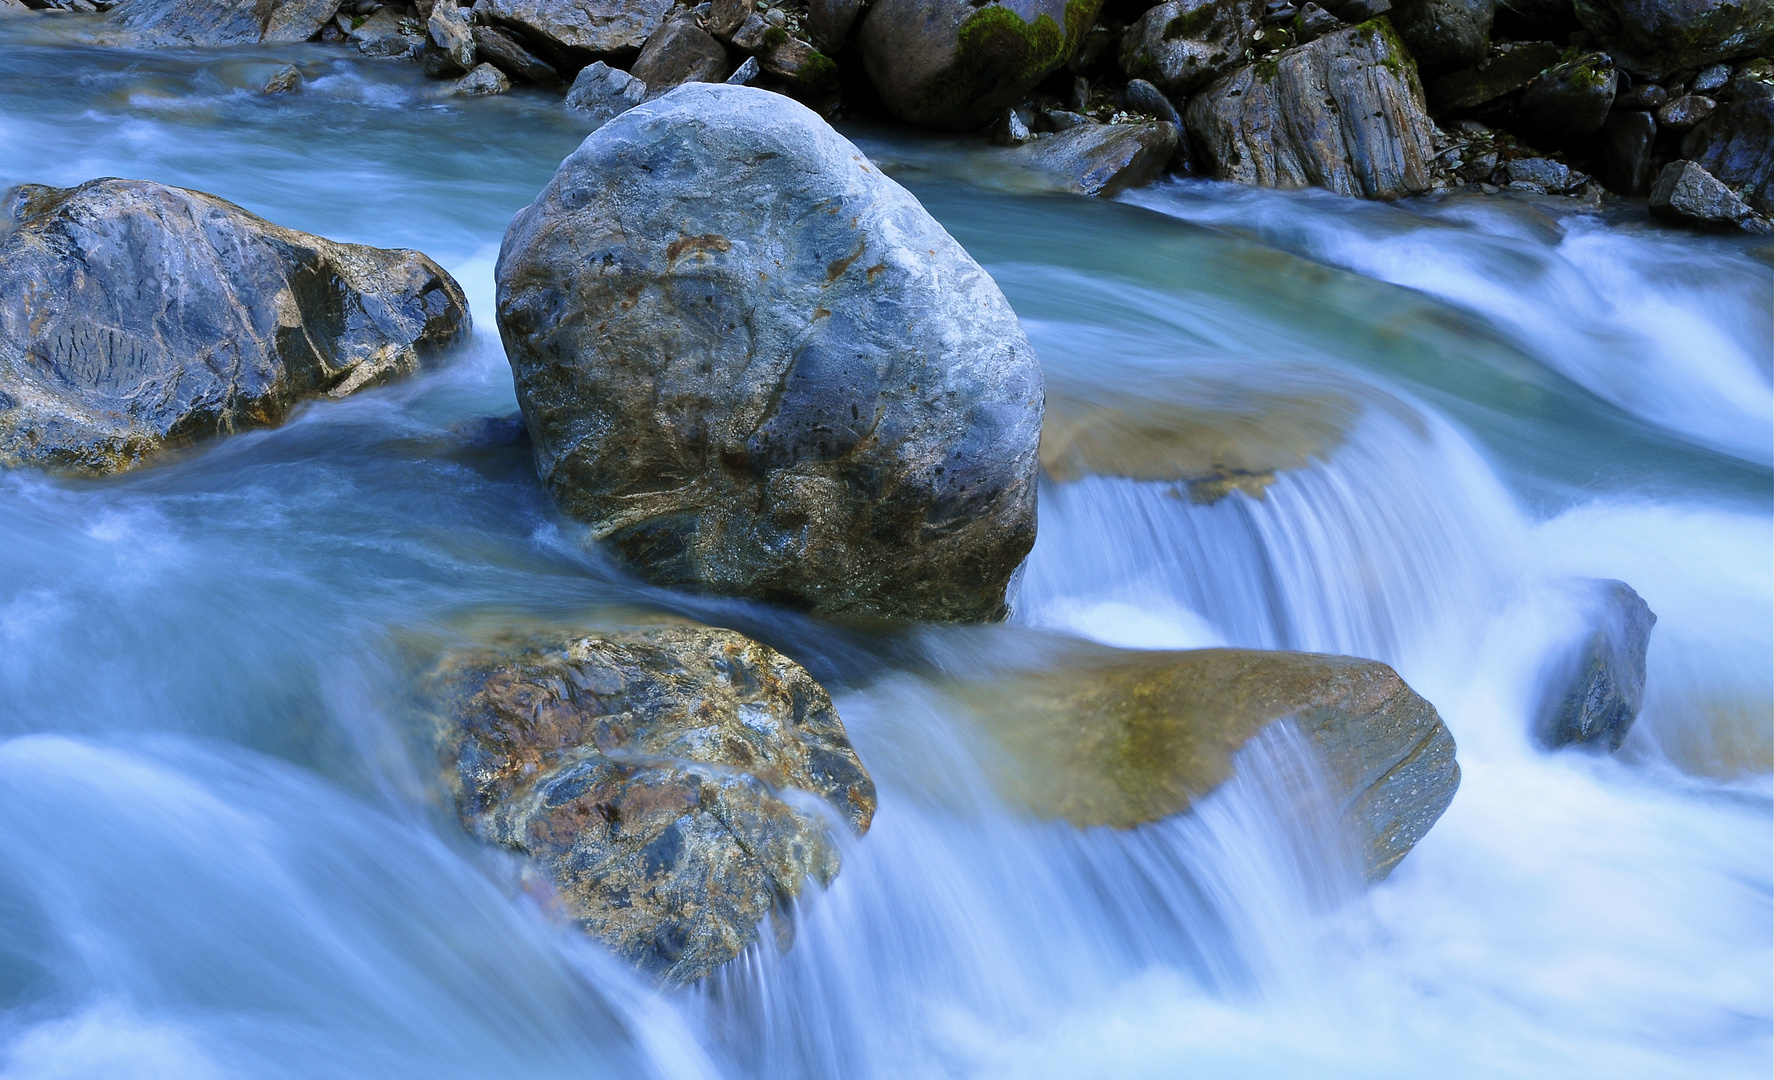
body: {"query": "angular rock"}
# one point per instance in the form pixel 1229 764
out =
pixel 1568 102
pixel 1595 692
pixel 223 22
pixel 1543 173
pixel 1684 112
pixel 1344 112
pixel 1103 159
pixel 1504 72
pixel 135 316
pixel 1314 22
pixel 449 45
pixel 1118 738
pixel 649 773
pixel 791 59
pixel 1736 145
pixel 484 81
pixel 1182 45
pixel 727 16
pixel 505 52
pixel 283 81
pixel 603 92
pixel 757 366
pixel 1659 37
pixel 744 73
pixel 829 23
pixel 953 64
pixel 1627 140
pixel 1689 194
pixel 387 35
pixel 1445 35
pixel 679 52
pixel 572 33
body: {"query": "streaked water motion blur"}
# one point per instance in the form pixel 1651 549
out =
pixel 224 851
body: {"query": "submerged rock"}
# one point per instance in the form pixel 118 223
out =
pixel 223 22
pixel 1658 37
pixel 1119 738
pixel 1102 159
pixel 135 316
pixel 1344 112
pixel 1445 35
pixel 757 366
pixel 955 63
pixel 650 774
pixel 1182 45
pixel 1595 691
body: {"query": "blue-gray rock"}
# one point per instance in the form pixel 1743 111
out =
pixel 1736 145
pixel 1445 35
pixel 1658 37
pixel 744 73
pixel 572 33
pixel 756 366
pixel 135 317
pixel 1687 194
pixel 501 49
pixel 1595 691
pixel 1182 45
pixel 223 22
pixel 603 92
pixel 1102 159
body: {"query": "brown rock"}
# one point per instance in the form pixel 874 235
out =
pixel 679 52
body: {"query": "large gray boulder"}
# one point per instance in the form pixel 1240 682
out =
pixel 755 365
pixel 1736 145
pixel 223 22
pixel 603 92
pixel 1110 737
pixel 680 52
pixel 651 774
pixel 135 316
pixel 572 33
pixel 1445 35
pixel 956 64
pixel 1344 112
pixel 1182 45
pixel 1594 691
pixel 1568 102
pixel 1658 37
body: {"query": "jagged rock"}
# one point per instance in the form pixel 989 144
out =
pixel 725 17
pixel 953 64
pixel 222 22
pixel 1645 97
pixel 1687 193
pixel 1659 37
pixel 385 34
pixel 648 773
pixel 1102 159
pixel 572 33
pixel 1011 129
pixel 1543 173
pixel 504 51
pixel 1684 112
pixel 1736 145
pixel 1445 35
pixel 1627 140
pixel 1142 96
pixel 603 92
pixel 1119 738
pixel 1506 70
pixel 798 62
pixel 449 46
pixel 283 81
pixel 484 81
pixel 1344 112
pixel 1568 102
pixel 135 316
pixel 1182 45
pixel 679 52
pixel 1595 691
pixel 757 366
pixel 1313 22
pixel 744 73
pixel 829 23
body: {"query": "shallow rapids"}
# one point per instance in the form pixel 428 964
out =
pixel 224 849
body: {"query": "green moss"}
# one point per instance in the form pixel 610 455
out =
pixel 818 73
pixel 1396 58
pixel 998 58
pixel 774 37
pixel 1026 52
pixel 1190 23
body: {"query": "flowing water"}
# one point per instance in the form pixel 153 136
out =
pixel 223 849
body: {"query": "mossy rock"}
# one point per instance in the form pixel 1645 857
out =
pixel 1659 37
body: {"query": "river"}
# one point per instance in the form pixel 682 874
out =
pixel 223 852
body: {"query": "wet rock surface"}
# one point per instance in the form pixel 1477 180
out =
pixel 1109 737
pixel 1345 112
pixel 757 366
pixel 666 780
pixel 1102 159
pixel 1659 37
pixel 136 316
pixel 1597 690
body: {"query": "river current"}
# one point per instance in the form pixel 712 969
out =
pixel 224 853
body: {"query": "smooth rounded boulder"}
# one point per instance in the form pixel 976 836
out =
pixel 757 366
pixel 136 317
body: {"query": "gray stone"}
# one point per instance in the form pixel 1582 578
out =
pixel 953 64
pixel 1645 97
pixel 1595 691
pixel 1445 35
pixel 1344 112
pixel 1142 96
pixel 223 22
pixel 829 23
pixel 745 72
pixel 1736 145
pixel 484 81
pixel 1544 173
pixel 1684 112
pixel 1568 103
pixel 756 366
pixel 572 33
pixel 1505 71
pixel 503 50
pixel 679 52
pixel 284 80
pixel 1103 159
pixel 1627 140
pixel 603 92
pixel 1712 80
pixel 384 34
pixel 1659 37
pixel 449 42
pixel 1182 45
pixel 1314 22
pixel 13 7
pixel 1011 129
pixel 135 317
pixel 651 775
pixel 1689 194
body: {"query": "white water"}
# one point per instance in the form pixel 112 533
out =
pixel 223 854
